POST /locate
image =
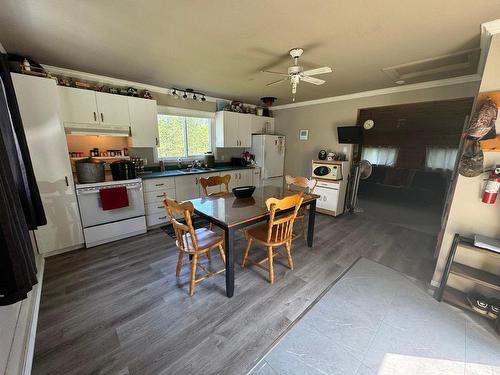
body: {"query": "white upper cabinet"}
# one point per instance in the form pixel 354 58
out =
pixel 113 109
pixel 233 129
pixel 143 122
pixel 78 106
pixel 88 107
pixel 245 129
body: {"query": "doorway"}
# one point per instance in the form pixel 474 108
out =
pixel 412 149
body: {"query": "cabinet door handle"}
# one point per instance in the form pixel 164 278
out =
pixel 240 176
pixel 156 140
pixel 159 206
pixel 66 180
pixel 162 218
pixel 196 179
pixel 102 117
pixel 159 196
pixel 95 116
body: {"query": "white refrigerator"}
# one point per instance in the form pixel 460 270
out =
pixel 269 151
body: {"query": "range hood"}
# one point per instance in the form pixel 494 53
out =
pixel 90 129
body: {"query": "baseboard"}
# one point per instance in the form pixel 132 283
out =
pixel 62 251
pixel 30 345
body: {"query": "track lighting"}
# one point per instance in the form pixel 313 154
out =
pixel 188 94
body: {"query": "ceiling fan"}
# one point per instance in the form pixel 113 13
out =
pixel 296 73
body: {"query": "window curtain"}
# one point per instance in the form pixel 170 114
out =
pixel 20 203
pixel 380 155
pixel 441 158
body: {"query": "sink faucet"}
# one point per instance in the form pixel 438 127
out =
pixel 196 164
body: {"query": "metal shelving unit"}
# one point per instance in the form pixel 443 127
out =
pixel 476 275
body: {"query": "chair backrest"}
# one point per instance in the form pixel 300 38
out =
pixel 184 232
pixel 280 228
pixel 215 181
pixel 302 182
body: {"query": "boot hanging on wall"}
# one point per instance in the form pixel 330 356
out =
pixel 471 161
pixel 481 125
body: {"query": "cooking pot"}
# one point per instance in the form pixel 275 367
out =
pixel 89 170
pixel 123 170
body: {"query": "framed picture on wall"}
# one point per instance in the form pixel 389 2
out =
pixel 303 134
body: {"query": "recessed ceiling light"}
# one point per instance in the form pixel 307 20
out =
pixel 400 82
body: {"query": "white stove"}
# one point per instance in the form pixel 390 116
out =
pixel 102 226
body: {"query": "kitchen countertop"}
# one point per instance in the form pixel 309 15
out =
pixel 175 172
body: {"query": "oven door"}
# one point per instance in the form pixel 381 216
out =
pixel 322 171
pixel 91 211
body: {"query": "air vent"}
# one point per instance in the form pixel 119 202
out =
pixel 446 66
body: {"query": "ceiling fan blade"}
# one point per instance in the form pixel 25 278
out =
pixel 313 72
pixel 314 81
pixel 279 81
pixel 271 72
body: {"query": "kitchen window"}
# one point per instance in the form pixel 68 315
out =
pixel 441 158
pixel 380 155
pixel 183 135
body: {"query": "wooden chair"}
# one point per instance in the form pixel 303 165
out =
pixel 278 231
pixel 215 181
pixel 193 242
pixel 308 185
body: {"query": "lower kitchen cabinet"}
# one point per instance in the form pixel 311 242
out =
pixel 242 177
pixel 38 102
pixel 187 187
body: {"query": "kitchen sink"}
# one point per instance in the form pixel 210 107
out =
pixel 194 170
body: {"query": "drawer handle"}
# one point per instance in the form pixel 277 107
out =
pixel 159 196
pixel 159 184
pixel 162 218
pixel 159 207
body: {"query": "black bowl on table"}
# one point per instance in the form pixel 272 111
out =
pixel 243 191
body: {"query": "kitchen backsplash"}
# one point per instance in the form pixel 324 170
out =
pixel 79 143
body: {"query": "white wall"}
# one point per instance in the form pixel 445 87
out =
pixel 322 121
pixel 18 328
pixel 468 215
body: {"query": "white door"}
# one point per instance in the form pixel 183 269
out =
pixel 210 189
pixel 78 106
pixel 143 122
pixel 328 198
pixel 113 109
pixel 38 101
pixel 187 187
pixel 274 156
pixel 244 130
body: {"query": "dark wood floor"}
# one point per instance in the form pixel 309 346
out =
pixel 118 308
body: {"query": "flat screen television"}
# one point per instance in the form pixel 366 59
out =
pixel 350 134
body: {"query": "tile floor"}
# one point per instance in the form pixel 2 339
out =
pixel 375 320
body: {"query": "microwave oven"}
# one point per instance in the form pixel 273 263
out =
pixel 327 170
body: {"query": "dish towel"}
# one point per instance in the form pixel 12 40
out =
pixel 113 198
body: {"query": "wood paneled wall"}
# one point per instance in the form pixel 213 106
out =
pixel 414 127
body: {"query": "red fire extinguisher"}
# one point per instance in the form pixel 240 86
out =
pixel 492 186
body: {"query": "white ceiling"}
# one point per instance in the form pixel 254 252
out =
pixel 219 47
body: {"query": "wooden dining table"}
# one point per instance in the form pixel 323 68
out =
pixel 231 214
